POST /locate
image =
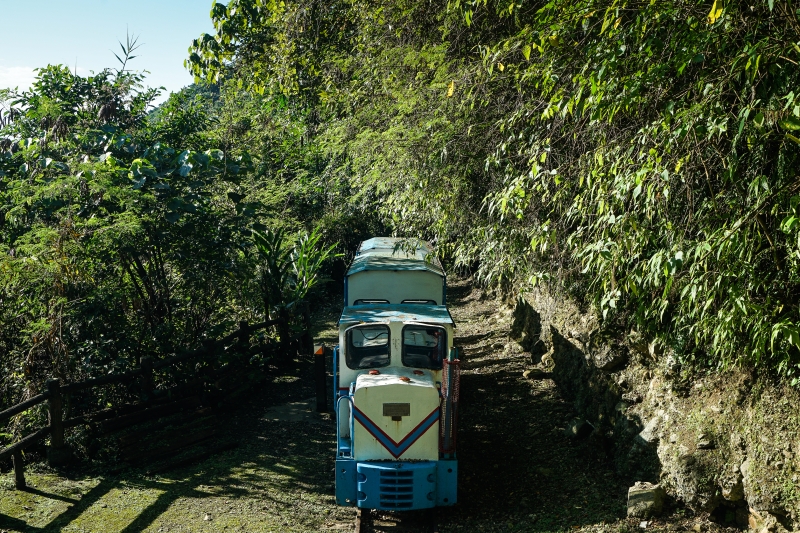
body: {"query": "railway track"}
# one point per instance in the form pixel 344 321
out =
pixel 369 521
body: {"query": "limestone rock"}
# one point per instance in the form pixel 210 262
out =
pixel 645 500
pixel 705 442
pixel 745 468
pixel 526 329
pixel 632 397
pixel 649 435
pixel 637 343
pixel 534 373
pixel 733 489
pixel 547 360
pixel 671 366
pixel 609 357
pixel 578 429
pixel 764 522
pixel 656 350
pixel 513 348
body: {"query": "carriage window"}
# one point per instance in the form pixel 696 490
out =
pixel 367 347
pixel 423 302
pixel 369 301
pixel 424 346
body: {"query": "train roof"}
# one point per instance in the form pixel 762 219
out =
pixel 392 253
pixel 379 244
pixel 431 314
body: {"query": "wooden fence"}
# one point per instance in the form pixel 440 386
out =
pixel 56 391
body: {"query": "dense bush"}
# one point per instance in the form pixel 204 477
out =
pixel 126 230
pixel 641 154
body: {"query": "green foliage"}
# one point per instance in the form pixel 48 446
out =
pixel 652 159
pixel 274 269
pixel 287 275
pixel 308 258
pixel 642 155
pixel 127 231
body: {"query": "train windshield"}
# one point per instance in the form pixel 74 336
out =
pixel 424 346
pixel 367 347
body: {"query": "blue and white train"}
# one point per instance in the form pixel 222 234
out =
pixel 396 381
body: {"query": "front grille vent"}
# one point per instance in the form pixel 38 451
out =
pixel 397 489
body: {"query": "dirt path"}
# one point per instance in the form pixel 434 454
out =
pixel 518 470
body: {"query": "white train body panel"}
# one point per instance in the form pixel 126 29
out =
pixel 380 438
pixel 395 318
pixel 384 270
pixel 394 286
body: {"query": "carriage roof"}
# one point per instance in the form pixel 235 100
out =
pixel 433 314
pixel 386 253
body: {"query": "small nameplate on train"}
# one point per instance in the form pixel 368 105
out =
pixel 396 409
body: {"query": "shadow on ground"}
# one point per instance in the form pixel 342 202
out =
pixel 279 477
pixel 518 470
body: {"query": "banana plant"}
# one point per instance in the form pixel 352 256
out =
pixel 307 259
pixel 288 274
pixel 274 270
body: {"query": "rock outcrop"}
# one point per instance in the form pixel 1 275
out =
pixel 725 443
pixel 645 500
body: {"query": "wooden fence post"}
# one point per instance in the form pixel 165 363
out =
pixel 148 384
pixel 284 334
pixel 321 379
pixel 19 470
pixel 308 342
pixel 57 453
pixel 244 332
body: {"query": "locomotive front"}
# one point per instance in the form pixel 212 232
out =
pixel 396 376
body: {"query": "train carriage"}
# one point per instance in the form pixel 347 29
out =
pixel 396 381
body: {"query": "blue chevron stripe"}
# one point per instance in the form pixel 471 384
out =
pixel 396 448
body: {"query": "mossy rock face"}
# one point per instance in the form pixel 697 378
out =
pixel 526 329
pixel 770 427
pixel 588 369
pixel 719 441
pixel 729 440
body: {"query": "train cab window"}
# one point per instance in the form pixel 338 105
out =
pixel 369 301
pixel 424 346
pixel 367 347
pixel 421 302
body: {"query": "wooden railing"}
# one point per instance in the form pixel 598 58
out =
pixel 57 453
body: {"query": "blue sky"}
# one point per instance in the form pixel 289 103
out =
pixel 83 33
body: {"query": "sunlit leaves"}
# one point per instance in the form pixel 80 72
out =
pixel 641 156
pixel 103 235
pixel 716 11
pixel 790 123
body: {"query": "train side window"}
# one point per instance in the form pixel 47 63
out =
pixel 424 346
pixel 420 302
pixel 369 301
pixel 367 347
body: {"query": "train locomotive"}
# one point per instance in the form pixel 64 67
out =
pixel 396 382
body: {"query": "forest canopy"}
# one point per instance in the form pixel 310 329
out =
pixel 640 156
pixel 129 230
